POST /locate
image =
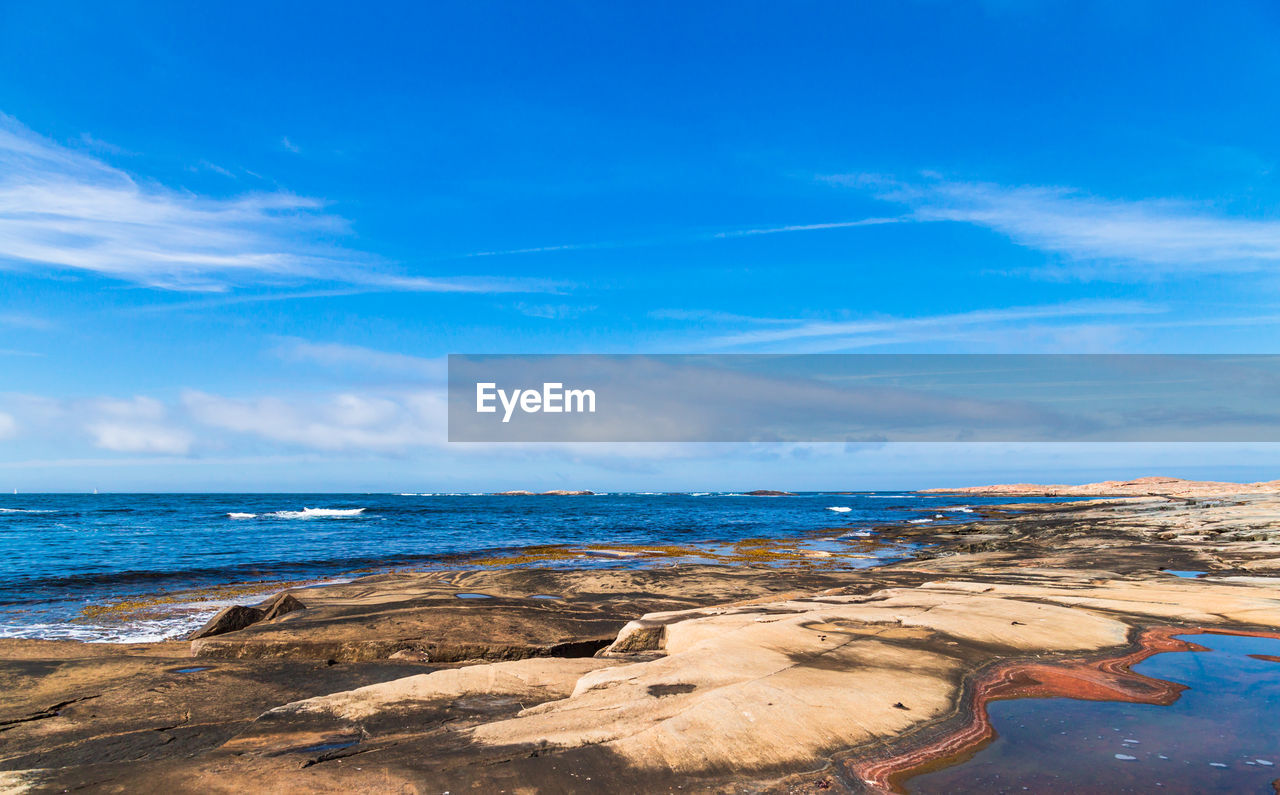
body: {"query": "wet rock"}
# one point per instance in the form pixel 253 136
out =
pixel 769 493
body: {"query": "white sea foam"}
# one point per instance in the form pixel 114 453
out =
pixel 840 508
pixel 957 508
pixel 25 510
pixel 893 496
pixel 149 631
pixel 318 513
pixel 242 516
pixel 919 521
pixel 858 534
pixel 181 619
pixel 700 494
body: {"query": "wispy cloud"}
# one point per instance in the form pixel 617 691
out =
pixel 818 336
pixel 102 146
pixel 358 357
pixel 465 284
pixel 26 321
pixel 554 311
pixel 289 145
pixel 681 239
pixel 718 317
pixel 64 209
pixel 215 168
pixel 811 227
pixel 8 425
pixel 1143 237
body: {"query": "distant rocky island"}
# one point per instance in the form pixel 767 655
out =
pixel 552 493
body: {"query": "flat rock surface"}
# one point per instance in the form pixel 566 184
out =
pixel 502 614
pixel 704 678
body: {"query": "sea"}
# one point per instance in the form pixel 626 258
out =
pixel 64 557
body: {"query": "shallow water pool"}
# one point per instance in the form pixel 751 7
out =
pixel 1222 734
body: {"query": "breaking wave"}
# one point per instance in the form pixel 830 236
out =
pixel 318 513
pixel 305 513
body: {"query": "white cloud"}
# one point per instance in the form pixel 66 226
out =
pixel 67 210
pixel 136 425
pixel 137 408
pixel 133 437
pixel 358 357
pixel 338 422
pixel 1147 236
pixel 819 336
pixel 25 321
pixel 553 311
pixel 810 227
pixel 103 146
pixel 8 425
pixel 687 238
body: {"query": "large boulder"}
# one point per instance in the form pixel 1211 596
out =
pixel 238 617
pixel 230 619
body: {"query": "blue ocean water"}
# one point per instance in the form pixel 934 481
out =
pixel 62 552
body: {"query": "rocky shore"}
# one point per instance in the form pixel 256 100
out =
pixel 785 675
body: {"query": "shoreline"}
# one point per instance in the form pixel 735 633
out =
pixel 94 603
pixel 373 669
pixel 834 546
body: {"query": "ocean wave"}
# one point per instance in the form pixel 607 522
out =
pixel 305 513
pixel 318 513
pixel 442 494
pixel 919 521
pixel 26 510
pixel 148 631
pixel 840 508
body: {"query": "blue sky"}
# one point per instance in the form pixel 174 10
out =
pixel 237 241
